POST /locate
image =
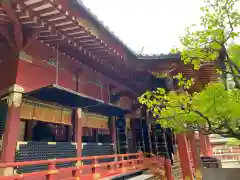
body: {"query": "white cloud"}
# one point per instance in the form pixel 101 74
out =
pixel 153 24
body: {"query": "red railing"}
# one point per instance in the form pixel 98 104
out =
pixel 123 163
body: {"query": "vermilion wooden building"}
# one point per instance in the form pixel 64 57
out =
pixel 69 90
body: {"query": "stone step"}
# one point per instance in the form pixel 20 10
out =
pixel 143 177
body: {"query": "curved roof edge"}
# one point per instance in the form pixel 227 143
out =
pixel 176 56
pixel 92 17
pixel 100 23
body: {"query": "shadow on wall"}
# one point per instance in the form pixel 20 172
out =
pixel 221 173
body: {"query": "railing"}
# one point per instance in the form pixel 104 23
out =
pixel 225 149
pixel 121 164
pixel 159 166
pixel 228 157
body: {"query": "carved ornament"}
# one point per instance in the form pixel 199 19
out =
pixel 14 99
pixel 10 89
pixel 16 88
pixel 15 96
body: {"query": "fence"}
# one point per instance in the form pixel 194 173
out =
pixel 122 163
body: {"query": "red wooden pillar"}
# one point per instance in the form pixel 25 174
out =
pixel 184 157
pixel 78 131
pixel 113 131
pixel 12 124
pixel 209 146
pixel 134 138
pixel 203 145
pixel 12 127
pixel 11 134
pixel 168 168
pixel 78 138
pixel 196 155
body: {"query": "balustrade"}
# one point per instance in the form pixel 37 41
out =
pixel 124 163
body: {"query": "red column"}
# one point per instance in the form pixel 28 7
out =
pixel 11 134
pixel 78 131
pixel 113 133
pixel 184 157
pixel 12 124
pixel 209 146
pixel 168 168
pixel 203 145
pixel 196 155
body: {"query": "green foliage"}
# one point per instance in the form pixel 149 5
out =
pixel 216 108
pixel 218 28
pixel 213 110
pixel 183 81
pixel 234 53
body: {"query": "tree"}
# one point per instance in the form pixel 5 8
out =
pixel 215 109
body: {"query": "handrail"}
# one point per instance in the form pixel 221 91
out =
pixel 165 173
pixel 28 163
pixel 120 165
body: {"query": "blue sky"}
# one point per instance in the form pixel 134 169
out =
pixel 153 24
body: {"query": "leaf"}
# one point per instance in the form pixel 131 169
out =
pixel 161 91
pixel 234 34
